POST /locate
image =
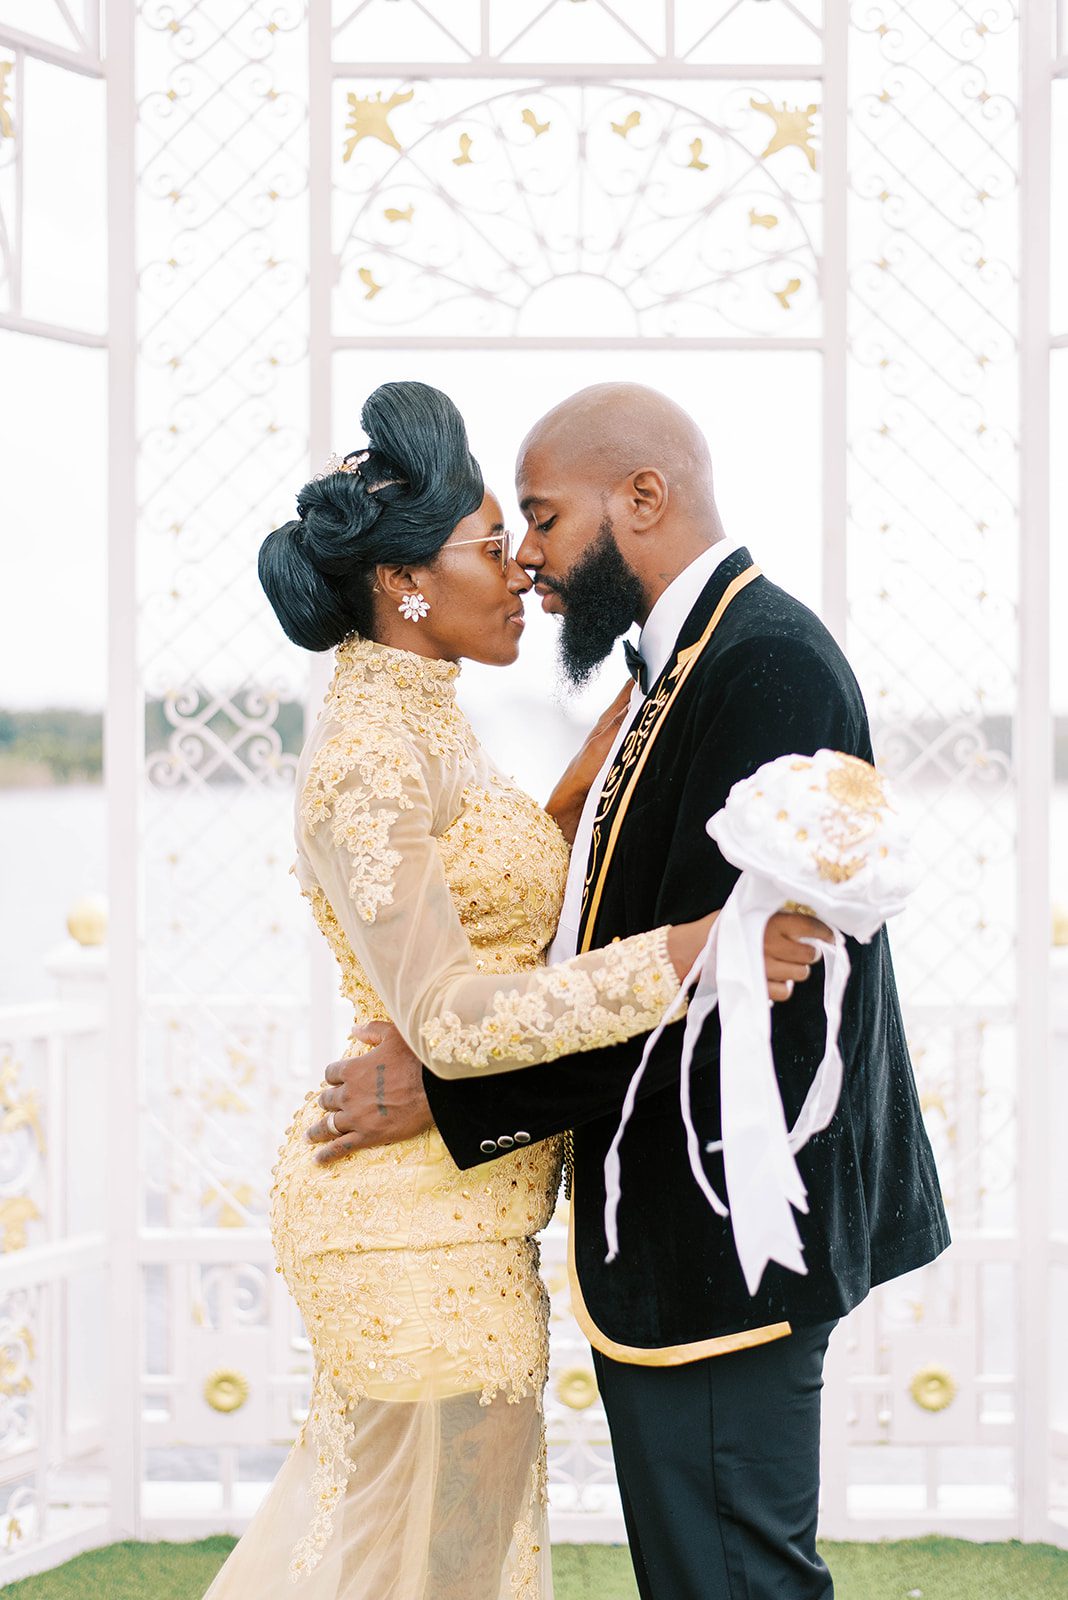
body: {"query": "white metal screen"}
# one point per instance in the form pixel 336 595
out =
pixel 770 207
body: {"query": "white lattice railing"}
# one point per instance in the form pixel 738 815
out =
pixel 224 1367
pixel 53 1299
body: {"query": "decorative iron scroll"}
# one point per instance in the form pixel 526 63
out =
pixel 588 208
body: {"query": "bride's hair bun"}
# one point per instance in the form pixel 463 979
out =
pixel 417 480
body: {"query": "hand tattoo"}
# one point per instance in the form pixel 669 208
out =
pixel 380 1091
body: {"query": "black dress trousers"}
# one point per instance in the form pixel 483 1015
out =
pixel 718 1464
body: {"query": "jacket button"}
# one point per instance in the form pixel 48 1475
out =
pixel 488 1146
pixel 522 1138
pixel 505 1142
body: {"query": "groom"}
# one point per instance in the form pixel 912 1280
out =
pixel 712 1395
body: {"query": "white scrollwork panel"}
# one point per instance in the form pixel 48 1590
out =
pixel 561 30
pixel 581 1472
pixel 929 1362
pixel 592 209
pixel 223 314
pixel 228 1366
pixel 223 174
pixel 406 30
pixel 23 1204
pixel 933 411
pixel 227 1077
pixel 20 1516
pixel 19 1370
pixel 771 31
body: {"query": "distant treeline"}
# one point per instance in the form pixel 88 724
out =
pixel 42 747
pixel 57 746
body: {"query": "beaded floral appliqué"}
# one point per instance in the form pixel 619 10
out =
pixel 565 1010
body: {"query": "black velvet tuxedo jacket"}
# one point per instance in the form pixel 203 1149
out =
pixel 769 681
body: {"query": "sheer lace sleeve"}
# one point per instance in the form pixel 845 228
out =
pixel 366 823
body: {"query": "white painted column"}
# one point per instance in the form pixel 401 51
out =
pixel 323 972
pixel 1033 748
pixel 834 289
pixel 123 754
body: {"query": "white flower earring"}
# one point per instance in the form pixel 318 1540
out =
pixel 414 607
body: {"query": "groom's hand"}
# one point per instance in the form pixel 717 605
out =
pixel 376 1098
pixel 792 942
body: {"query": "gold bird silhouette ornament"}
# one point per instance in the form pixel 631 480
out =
pixel 783 295
pixel 367 278
pixel 628 125
pixel 464 158
pixel 532 122
pixel 392 214
pixel 695 156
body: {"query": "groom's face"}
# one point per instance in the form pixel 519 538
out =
pixel 572 552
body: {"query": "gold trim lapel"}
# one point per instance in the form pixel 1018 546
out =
pixel 621 781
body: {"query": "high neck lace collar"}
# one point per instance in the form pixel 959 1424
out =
pixel 413 674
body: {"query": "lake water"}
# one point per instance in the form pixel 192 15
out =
pixel 53 850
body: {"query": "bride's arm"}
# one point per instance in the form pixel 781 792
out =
pixel 565 803
pixel 366 825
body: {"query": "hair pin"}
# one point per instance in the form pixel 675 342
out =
pixel 350 463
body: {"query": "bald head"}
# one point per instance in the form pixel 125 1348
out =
pixel 609 431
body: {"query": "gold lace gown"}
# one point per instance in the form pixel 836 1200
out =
pixel 419 1473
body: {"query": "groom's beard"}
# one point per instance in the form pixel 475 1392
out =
pixel 603 597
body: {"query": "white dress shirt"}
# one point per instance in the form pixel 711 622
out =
pixel 657 645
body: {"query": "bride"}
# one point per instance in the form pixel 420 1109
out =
pixel 419 1473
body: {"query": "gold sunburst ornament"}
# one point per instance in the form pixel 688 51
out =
pixel 577 1388
pixel 226 1390
pixel 793 127
pixel 369 119
pixel 933 1388
pixel 857 784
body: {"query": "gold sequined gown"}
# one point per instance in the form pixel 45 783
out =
pixel 420 1471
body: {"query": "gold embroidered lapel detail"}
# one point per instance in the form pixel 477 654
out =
pixel 622 780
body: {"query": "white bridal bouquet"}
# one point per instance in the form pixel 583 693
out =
pixel 819 834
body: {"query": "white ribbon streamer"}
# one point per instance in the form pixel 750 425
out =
pixel 762 1179
pixel 764 1185
pixel 704 1002
pixel 612 1186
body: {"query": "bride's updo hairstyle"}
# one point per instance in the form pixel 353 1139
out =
pixel 415 482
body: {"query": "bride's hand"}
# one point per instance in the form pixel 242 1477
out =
pixel 568 798
pixel 789 948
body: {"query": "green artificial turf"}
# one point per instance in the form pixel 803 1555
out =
pixel 914 1569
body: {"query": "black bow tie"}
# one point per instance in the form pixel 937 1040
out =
pixel 636 666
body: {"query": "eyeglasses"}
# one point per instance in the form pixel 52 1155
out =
pixel 507 542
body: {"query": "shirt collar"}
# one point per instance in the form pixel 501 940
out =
pixel 665 620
